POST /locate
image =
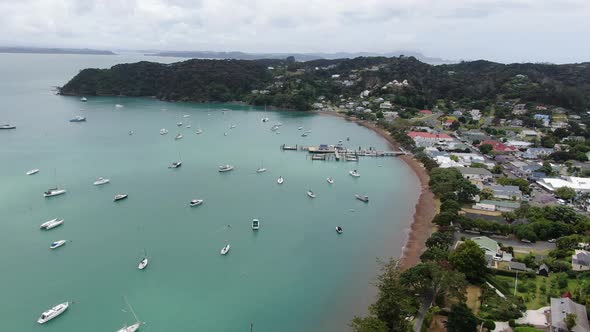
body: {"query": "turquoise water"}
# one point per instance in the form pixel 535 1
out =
pixel 294 274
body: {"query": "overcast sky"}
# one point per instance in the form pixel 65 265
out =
pixel 500 30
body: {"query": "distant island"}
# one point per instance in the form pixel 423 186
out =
pixel 236 55
pixel 42 50
pixel 406 83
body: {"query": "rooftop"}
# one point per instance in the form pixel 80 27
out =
pixel 560 307
pixel 474 170
pixel 500 203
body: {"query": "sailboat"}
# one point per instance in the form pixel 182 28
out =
pixel 261 169
pixel 144 262
pixel 134 327
pixel 54 191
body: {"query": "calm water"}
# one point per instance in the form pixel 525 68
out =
pixel 294 274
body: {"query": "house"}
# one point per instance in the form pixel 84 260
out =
pixel 519 109
pixel 335 76
pixel 491 248
pixel 543 270
pixel 537 153
pixel 506 192
pixel 517 266
pixel 529 133
pixel 475 173
pixel 581 260
pixel 501 206
pixel 426 112
pixel 560 307
pixel 544 118
pixel 578 184
pixel 385 105
pixel 518 144
pixel 365 94
pixel 499 147
pixel 475 114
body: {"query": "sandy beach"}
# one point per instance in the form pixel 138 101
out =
pixel 426 208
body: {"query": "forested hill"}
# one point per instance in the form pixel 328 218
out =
pixel 286 83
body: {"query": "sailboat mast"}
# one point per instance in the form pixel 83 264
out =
pixel 131 308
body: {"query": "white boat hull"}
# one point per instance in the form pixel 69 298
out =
pixel 53 312
pixel 54 193
pixel 225 250
pixel 101 182
pixel 280 181
pixel 196 202
pixel 33 171
pixel 57 244
pixel 310 194
pixel 54 224
pixel 143 264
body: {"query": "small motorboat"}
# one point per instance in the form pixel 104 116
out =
pixel 84 99
pixel 196 202
pixel 261 170
pixel 57 244
pixel 131 132
pixel 199 131
pixel 255 224
pixel 354 173
pixel 33 171
pixel 7 126
pixel 78 118
pixel 224 134
pixel 101 181
pixel 300 128
pixel 179 124
pixel 186 116
pixel 188 126
pixel 54 192
pixel 304 135
pixel 225 168
pixel 51 223
pixel 225 249
pixel 339 230
pixel 53 312
pixel 311 194
pixel 130 328
pixel 119 197
pixel 280 180
pixel 274 128
pixel 265 120
pixel 118 106
pixel 363 198
pixel 330 180
pixel 178 136
pixel 175 164
pixel 232 126
pixel 143 263
pixel 163 131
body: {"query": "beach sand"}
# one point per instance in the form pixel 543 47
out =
pixel 426 208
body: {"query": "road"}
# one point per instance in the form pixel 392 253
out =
pixel 539 246
pixel 426 303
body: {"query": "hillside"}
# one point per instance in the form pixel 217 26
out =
pixel 299 84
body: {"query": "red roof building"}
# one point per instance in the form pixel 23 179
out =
pixel 429 136
pixel 426 112
pixel 499 146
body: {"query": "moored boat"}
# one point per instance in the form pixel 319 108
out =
pixel 199 131
pixel 354 173
pixel 339 230
pixel 330 180
pixel 54 192
pixel 363 198
pixel 179 124
pixel 300 128
pixel 261 170
pixel 130 328
pixel 84 99
pixel 51 223
pixel 311 194
pixel 33 171
pixel 7 126
pixel 175 164
pixel 196 202
pixel 119 197
pixel 78 118
pixel 53 312
pixel 225 168
pixel 178 136
pixel 280 180
pixel 143 263
pixel 163 131
pixel 255 224
pixel 225 249
pixel 57 244
pixel 101 181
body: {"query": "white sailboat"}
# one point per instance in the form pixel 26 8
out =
pixel 311 194
pixel 261 169
pixel 280 180
pixel 33 171
pixel 144 262
pixel 330 180
pixel 57 244
pixel 225 249
pixel 100 181
pixel 354 173
pixel 134 327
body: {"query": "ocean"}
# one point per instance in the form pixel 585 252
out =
pixel 294 274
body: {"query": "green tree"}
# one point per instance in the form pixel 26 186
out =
pixel 486 193
pixel 393 303
pixel 489 325
pixel 486 148
pixel 566 193
pixel 570 321
pixel 379 115
pixel 368 324
pixel 461 319
pixel 431 279
pixel 469 259
pixel 497 169
pixel 442 240
pixel 450 206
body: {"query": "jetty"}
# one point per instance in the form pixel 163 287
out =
pixel 340 153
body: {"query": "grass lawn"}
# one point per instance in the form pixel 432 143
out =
pixel 535 291
pixel 526 329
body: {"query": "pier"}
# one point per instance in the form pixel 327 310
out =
pixel 340 153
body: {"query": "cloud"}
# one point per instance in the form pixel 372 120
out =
pixel 505 30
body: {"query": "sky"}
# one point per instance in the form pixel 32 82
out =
pixel 499 30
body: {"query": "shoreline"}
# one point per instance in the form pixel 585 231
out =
pixel 421 226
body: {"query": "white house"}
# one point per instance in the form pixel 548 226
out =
pixel 578 184
pixel 475 173
pixel 385 105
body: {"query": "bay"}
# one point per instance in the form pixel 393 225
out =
pixel 294 274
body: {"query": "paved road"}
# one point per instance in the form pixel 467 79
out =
pixel 426 303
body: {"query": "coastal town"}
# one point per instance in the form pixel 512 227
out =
pixel 512 189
